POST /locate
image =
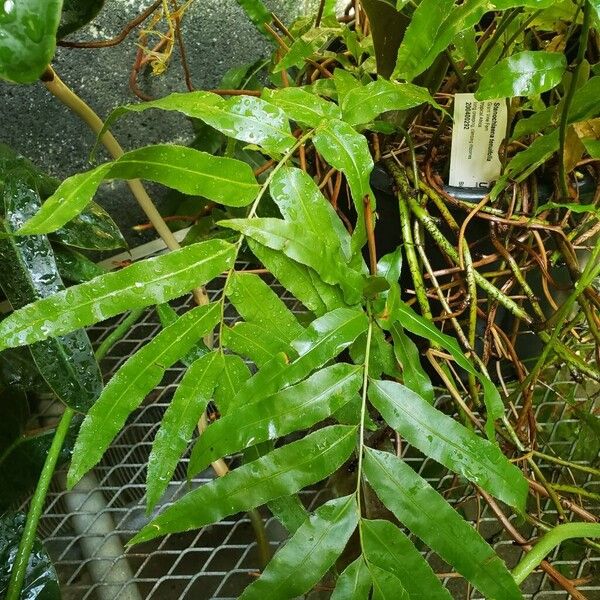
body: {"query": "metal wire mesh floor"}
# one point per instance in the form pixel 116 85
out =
pixel 220 560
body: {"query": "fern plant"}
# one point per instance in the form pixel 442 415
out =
pixel 351 364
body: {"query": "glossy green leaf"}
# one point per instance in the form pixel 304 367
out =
pixel 402 313
pixel 386 547
pixel 178 423
pixel 375 286
pixel 305 46
pixel 167 315
pixel 288 510
pixel 331 295
pixel 77 13
pixel 585 106
pixel 354 583
pixel 386 586
pixel 381 359
pixel 295 408
pixel 537 4
pixel 284 471
pixel 466 47
pixel 293 276
pixel 235 373
pixel 302 106
pixel 75 267
pixel 344 83
pixel 245 118
pixel 387 28
pixel 422 327
pixel 536 123
pixel 28 272
pixel 309 553
pixel 138 376
pixel 11 160
pixel 300 201
pixel 525 162
pixel 348 151
pixel 255 342
pixel 148 282
pixel 523 74
pixel 304 247
pixel 14 414
pixel 572 206
pixel 448 442
pixel 27 38
pixel 414 375
pixel 390 265
pixel 433 26
pixel 364 104
pixel 592 147
pixel 256 302
pixel 257 12
pixel 22 462
pixel 425 512
pixel 322 341
pixel 18 371
pixel 224 180
pixel 41 580
pixel 92 229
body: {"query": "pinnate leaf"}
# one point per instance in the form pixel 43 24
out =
pixel 386 547
pixel 364 104
pixel 309 554
pixel 425 512
pixel 322 341
pixel 304 247
pixel 433 26
pixel 300 201
pixel 302 106
pixel 293 276
pixel 148 282
pixel 348 151
pixel 354 583
pixel 255 342
pixel 235 373
pixel 386 586
pixel 224 180
pixel 257 303
pixel 138 376
pixel 295 408
pixel 450 443
pixel 284 471
pixel 179 421
pixel 245 118
pixel 523 74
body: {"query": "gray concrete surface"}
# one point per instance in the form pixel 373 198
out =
pixel 217 36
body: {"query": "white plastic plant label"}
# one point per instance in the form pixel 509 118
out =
pixel 478 130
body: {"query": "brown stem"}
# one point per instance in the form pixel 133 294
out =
pixel 370 235
pixel 118 38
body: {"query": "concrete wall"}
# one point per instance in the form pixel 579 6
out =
pixel 217 35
